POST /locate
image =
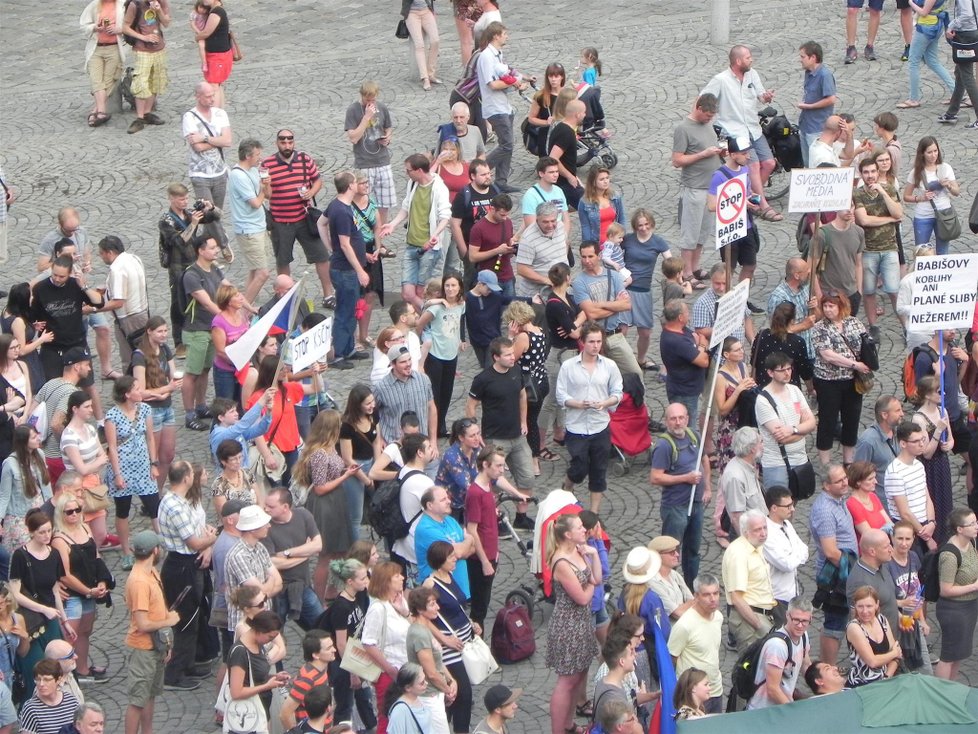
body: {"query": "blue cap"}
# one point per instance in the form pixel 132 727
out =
pixel 487 277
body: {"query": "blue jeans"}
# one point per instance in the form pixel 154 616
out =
pixel 776 476
pixel 226 385
pixel 923 229
pixel 4 564
pixel 925 49
pixel 689 531
pixel 304 416
pixel 354 490
pixel 312 608
pixel 347 289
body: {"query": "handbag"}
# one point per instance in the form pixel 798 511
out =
pixel 35 623
pixel 476 656
pixel 863 383
pixel 869 353
pixel 236 53
pixel 95 496
pixel 947 225
pixel 18 688
pixel 256 460
pixel 402 30
pixel 355 658
pixel 801 479
pixel 244 715
pixel 312 212
pixel 534 390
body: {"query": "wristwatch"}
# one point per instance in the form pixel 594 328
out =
pixel 287 553
pixel 794 430
pixel 207 139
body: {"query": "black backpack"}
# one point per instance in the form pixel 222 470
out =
pixel 385 509
pixel 930 571
pixel 744 673
pixel 131 40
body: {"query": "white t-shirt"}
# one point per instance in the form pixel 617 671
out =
pixel 932 182
pixel 411 492
pixel 791 406
pixel 909 481
pixel 775 654
pixel 127 281
pixel 489 68
pixel 209 163
pixel 484 20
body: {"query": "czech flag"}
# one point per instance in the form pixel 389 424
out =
pixel 276 321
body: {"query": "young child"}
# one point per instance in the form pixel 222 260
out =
pixel 198 20
pixel 590 66
pixel 612 253
pixel 595 539
pixel 432 296
pixel 673 285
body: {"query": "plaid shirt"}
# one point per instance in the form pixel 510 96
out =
pixel 242 563
pixel 179 520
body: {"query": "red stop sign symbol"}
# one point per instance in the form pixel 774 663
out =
pixel 731 200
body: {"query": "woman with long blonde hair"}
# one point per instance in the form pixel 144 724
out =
pixel 322 470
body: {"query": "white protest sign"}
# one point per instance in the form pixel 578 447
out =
pixel 943 292
pixel 731 219
pixel 730 313
pixel 820 189
pixel 311 346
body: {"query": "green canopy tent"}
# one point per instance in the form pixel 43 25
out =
pixel 906 704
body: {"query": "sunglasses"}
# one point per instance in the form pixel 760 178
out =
pixel 73 511
pixel 286 138
pixel 69 656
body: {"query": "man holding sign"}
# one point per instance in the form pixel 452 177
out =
pixel 730 197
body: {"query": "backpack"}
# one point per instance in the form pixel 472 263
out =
pixel 125 36
pixel 929 571
pixel 667 437
pixel 385 509
pixel 512 634
pixel 909 376
pixel 744 673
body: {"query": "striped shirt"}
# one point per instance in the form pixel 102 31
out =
pixel 38 717
pixel 178 522
pixel 242 563
pixel 910 481
pixel 287 176
pixel 307 679
pixel 395 396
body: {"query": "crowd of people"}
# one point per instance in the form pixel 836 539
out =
pixel 272 527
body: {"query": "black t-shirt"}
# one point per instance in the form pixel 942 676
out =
pixel 470 206
pixel 344 614
pixel 37 577
pixel 219 41
pixel 341 222
pixel 163 360
pixel 260 668
pixel 560 314
pixel 500 397
pixel 61 307
pixel 362 443
pixel 563 135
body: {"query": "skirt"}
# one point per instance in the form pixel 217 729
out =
pixel 957 620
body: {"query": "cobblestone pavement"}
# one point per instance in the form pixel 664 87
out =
pixel 304 63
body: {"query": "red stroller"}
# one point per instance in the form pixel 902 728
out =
pixel 630 424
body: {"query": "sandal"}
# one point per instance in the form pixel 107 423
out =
pixel 911 104
pixel 101 118
pixel 770 215
pixel 577 729
pixel 195 424
pixel 548 455
pixel 701 274
pixel 587 710
pixel 111 376
pixel 388 252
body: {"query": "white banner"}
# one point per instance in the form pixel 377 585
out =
pixel 730 313
pixel 943 292
pixel 731 214
pixel 820 189
pixel 311 346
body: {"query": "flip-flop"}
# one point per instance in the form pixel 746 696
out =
pixel 910 105
pixel 92 117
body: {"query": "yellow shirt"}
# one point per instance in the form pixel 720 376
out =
pixel 744 569
pixel 695 643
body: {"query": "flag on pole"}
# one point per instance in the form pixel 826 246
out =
pixel 665 709
pixel 278 317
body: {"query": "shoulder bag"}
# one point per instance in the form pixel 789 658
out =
pixel 355 658
pixel 801 479
pixel 95 494
pixel 312 212
pixel 35 622
pixel 257 462
pixel 18 688
pixel 947 224
pixel 245 715
pixel 476 656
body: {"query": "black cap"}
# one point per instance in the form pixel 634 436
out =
pixel 232 507
pixel 75 355
pixel 499 695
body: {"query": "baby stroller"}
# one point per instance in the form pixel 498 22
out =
pixel 629 425
pixel 592 144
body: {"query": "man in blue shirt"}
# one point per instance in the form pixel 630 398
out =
pixel 818 98
pixel 437 523
pixel 249 187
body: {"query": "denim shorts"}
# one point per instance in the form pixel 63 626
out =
pixel 421 266
pixel 96 320
pixel 876 264
pixel 600 618
pixel 163 417
pixel 835 624
pixel 76 606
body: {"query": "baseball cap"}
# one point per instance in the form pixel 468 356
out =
pixel 144 542
pixel 395 353
pixel 232 507
pixel 738 144
pixel 488 278
pixel 500 695
pixel 74 355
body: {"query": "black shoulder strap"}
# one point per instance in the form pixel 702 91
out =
pixel 410 711
pixel 784 451
pixel 210 132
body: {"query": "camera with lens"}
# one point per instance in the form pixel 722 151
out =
pixel 199 205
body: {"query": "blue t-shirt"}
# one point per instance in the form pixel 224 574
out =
pixel 686 452
pixel 427 532
pixel 343 223
pixel 678 351
pixel 535 196
pixel 640 259
pixel 242 186
pixel 819 84
pixel 586 287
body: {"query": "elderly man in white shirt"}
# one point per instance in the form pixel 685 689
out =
pixel 783 550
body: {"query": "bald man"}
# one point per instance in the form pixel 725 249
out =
pixel 563 148
pixel 64 653
pixel 207 130
pixel 872 570
pixel 834 144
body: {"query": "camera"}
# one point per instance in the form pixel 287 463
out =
pixel 199 205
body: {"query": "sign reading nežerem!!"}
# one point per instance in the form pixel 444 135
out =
pixel 820 189
pixel 731 214
pixel 943 292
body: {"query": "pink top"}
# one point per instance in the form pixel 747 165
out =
pixel 875 517
pixel 234 333
pixel 454 183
